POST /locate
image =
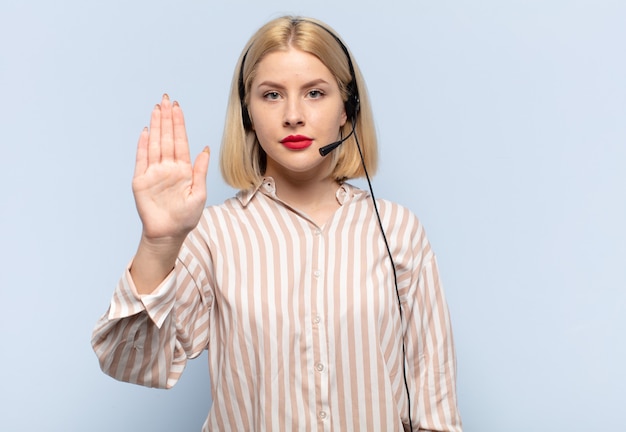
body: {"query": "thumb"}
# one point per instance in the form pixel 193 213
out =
pixel 200 169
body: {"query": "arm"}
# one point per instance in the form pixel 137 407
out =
pixel 146 335
pixel 431 362
pixel 169 193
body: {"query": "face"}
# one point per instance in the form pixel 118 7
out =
pixel 296 108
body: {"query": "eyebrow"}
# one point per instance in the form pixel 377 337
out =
pixel 273 84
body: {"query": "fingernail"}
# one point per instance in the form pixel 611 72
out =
pixel 157 107
pixel 175 103
pixel 206 149
pixel 165 96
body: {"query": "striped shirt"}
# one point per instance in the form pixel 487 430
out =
pixel 301 322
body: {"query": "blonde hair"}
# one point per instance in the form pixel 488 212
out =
pixel 242 160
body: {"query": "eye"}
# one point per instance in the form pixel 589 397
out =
pixel 271 95
pixel 316 94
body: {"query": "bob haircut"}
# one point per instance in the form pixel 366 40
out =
pixel 242 160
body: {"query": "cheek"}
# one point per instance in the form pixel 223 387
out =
pixel 259 122
pixel 263 134
pixel 331 117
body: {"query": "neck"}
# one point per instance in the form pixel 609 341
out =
pixel 314 197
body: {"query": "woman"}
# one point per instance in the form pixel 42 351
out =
pixel 319 310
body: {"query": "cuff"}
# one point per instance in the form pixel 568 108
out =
pixel 127 301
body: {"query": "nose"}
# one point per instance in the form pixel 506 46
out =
pixel 293 115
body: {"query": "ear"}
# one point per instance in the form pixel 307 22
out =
pixel 344 116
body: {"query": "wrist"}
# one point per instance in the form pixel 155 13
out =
pixel 162 245
pixel 154 260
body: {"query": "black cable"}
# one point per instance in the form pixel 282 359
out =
pixel 393 266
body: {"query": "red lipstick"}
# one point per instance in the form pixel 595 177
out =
pixel 296 142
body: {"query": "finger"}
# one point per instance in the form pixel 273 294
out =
pixel 141 160
pixel 181 145
pixel 200 169
pixel 154 143
pixel 167 129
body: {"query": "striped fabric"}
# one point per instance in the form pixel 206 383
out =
pixel 301 322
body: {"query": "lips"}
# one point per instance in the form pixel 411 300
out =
pixel 296 142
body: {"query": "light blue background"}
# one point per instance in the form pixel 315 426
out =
pixel 502 126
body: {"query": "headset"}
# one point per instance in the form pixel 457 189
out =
pixel 352 106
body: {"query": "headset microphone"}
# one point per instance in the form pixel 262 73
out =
pixel 332 146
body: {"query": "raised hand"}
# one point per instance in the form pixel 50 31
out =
pixel 170 193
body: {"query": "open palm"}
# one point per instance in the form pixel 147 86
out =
pixel 170 192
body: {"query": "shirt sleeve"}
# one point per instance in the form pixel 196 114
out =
pixel 147 339
pixel 431 362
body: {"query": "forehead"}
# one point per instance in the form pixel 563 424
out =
pixel 291 63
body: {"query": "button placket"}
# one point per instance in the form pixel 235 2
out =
pixel 319 366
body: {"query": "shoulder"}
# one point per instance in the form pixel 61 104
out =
pixel 397 220
pixel 398 217
pixel 399 210
pixel 405 230
pixel 224 213
pixel 219 224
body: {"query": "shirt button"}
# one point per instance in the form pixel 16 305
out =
pixel 318 232
pixel 319 367
pixel 317 273
pixel 316 319
pixel 322 415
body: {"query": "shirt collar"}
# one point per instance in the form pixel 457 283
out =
pixel 345 193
